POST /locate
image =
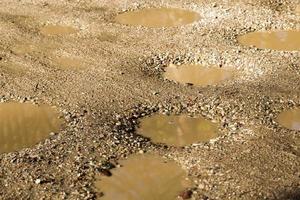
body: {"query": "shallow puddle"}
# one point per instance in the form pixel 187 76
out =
pixel 158 17
pixel 52 30
pixel 177 130
pixel 12 69
pixel 290 119
pixel 23 125
pixel 288 40
pixel 143 177
pixel 69 63
pixel 31 48
pixel 22 49
pixel 197 75
pixel 297 9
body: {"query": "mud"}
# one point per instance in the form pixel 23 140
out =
pixel 254 157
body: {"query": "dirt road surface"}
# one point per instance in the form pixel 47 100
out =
pixel 120 79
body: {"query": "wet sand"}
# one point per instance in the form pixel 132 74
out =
pixel 122 80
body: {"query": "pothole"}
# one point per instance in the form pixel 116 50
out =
pixel 22 49
pixel 297 9
pixel 177 130
pixel 143 176
pixel 290 119
pixel 12 69
pixel 52 30
pixel 69 63
pixel 283 40
pixel 23 125
pixel 197 75
pixel 158 17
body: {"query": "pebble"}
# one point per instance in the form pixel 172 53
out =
pixel 186 194
pixel 38 181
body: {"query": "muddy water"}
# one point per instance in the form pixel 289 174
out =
pixel 22 49
pixel 158 17
pixel 288 40
pixel 297 9
pixel 24 125
pixel 197 74
pixel 52 30
pixel 177 130
pixel 12 69
pixel 143 177
pixel 290 119
pixel 69 63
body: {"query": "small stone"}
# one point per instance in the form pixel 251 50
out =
pixel 141 152
pixel 105 172
pixel 38 181
pixel 52 134
pixel 186 194
pixel 108 165
pixel 118 123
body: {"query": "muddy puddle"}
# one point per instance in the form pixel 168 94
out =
pixel 69 63
pixel 297 9
pixel 158 17
pixel 12 69
pixel 22 49
pixel 52 30
pixel 197 75
pixel 143 177
pixel 23 125
pixel 290 119
pixel 177 130
pixel 284 40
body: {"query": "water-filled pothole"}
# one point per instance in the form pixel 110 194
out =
pixel 32 48
pixel 290 119
pixel 51 30
pixel 23 125
pixel 177 130
pixel 197 74
pixel 12 69
pixel 158 17
pixel 69 63
pixel 283 40
pixel 297 9
pixel 22 49
pixel 146 177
